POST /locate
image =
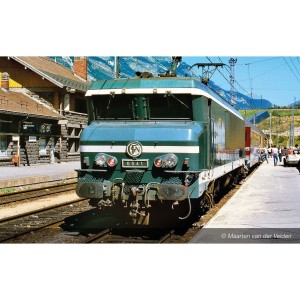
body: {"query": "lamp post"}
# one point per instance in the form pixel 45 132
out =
pixel 292 126
pixel 277 133
pixel 270 141
pixel 117 67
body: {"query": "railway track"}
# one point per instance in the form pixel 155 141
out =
pixel 29 195
pixel 25 223
pixel 131 236
pixel 36 228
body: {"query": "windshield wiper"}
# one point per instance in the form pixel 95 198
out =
pixel 168 93
pixel 112 95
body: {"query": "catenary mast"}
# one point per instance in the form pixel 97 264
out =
pixel 232 62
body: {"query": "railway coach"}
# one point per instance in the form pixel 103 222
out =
pixel 159 146
pixel 255 141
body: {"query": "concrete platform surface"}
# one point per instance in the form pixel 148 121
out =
pixel 27 175
pixel 265 209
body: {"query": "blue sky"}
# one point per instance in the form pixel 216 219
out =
pixel 275 78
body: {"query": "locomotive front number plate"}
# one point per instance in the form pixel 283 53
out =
pixel 137 163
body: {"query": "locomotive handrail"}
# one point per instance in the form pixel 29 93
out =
pixel 89 170
pixel 135 171
pixel 186 172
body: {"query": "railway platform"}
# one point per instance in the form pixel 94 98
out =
pixel 266 209
pixel 13 177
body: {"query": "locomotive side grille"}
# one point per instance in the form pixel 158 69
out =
pixel 133 177
pixel 172 180
pixel 89 178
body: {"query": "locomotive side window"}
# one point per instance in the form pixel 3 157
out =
pixel 169 106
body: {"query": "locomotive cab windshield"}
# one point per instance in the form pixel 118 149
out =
pixel 141 107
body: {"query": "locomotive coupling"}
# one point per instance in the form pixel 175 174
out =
pixel 105 203
pixel 137 190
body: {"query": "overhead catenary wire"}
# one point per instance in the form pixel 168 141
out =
pixel 290 64
pixel 223 75
pixel 272 58
pixel 250 104
pixel 291 69
pixel 259 61
pixel 226 66
pixel 294 66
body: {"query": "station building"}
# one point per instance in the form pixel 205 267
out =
pixel 42 110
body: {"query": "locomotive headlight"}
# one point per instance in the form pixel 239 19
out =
pixel 171 161
pixel 100 159
pixel 158 162
pixel 166 161
pixel 112 161
pixel 104 160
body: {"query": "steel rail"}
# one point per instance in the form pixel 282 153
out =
pixel 44 191
pixel 58 219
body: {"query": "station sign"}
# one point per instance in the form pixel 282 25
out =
pixel 15 138
pixel 32 139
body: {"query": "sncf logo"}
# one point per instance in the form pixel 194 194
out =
pixel 134 149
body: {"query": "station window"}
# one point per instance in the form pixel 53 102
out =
pixel 80 105
pixel 29 128
pixel 4 127
pixel 45 128
pixel 73 146
pixel 3 146
pixel 42 146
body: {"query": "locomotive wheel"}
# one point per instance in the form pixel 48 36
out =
pixel 207 201
pixel 211 200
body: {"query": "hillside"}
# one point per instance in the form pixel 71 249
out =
pixel 281 124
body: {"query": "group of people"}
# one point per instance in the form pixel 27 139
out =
pixel 274 152
pixel 271 152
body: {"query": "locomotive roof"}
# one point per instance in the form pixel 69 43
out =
pixel 158 85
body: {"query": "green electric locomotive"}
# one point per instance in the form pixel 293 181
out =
pixel 158 146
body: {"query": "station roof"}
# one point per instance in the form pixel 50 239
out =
pixel 14 103
pixel 52 71
pixel 258 117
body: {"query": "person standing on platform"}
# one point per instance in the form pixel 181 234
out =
pixel 269 151
pixel 263 155
pixel 275 155
pixel 298 165
pixel 280 153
